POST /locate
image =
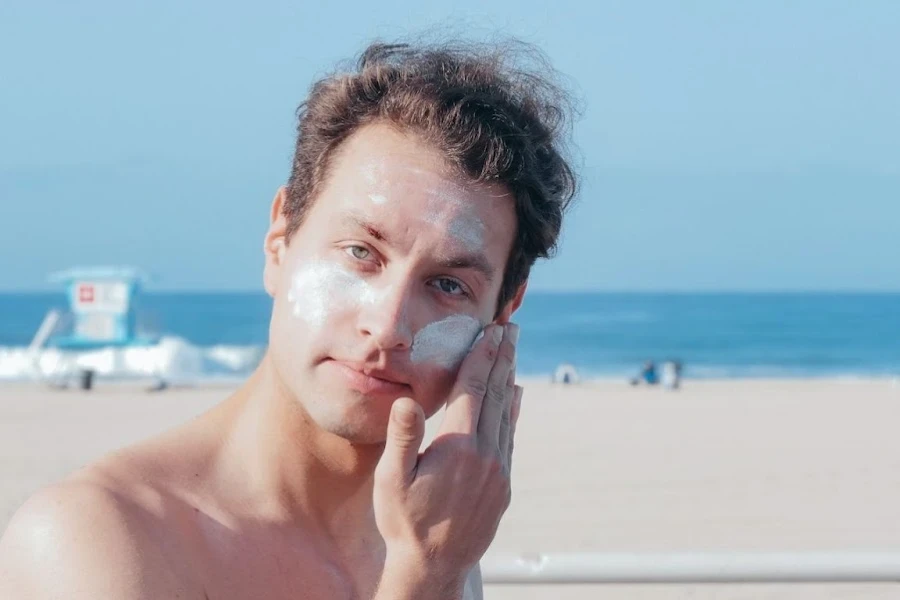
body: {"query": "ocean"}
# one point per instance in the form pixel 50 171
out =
pixel 603 335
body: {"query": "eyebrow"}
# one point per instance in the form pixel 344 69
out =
pixel 370 228
pixel 476 261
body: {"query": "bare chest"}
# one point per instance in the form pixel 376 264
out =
pixel 273 565
pixel 287 578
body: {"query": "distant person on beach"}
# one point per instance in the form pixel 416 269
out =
pixel 671 374
pixel 647 374
pixel 425 184
pixel 566 374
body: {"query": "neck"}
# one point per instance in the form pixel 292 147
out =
pixel 290 468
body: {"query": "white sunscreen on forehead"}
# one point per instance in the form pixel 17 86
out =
pixel 445 343
pixel 447 207
pixel 373 172
pixel 451 212
pixel 469 230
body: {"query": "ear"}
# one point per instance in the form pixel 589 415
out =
pixel 275 245
pixel 512 305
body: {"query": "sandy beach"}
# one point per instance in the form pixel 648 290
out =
pixel 718 465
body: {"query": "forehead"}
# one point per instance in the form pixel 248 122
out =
pixel 402 182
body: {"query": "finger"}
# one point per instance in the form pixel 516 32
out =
pixel 513 420
pixel 507 410
pixel 464 406
pixel 496 397
pixel 406 429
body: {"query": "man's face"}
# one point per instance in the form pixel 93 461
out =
pixel 380 293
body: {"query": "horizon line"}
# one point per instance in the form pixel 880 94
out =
pixel 549 291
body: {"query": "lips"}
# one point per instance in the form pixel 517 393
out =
pixel 369 380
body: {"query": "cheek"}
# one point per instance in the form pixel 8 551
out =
pixel 323 298
pixel 318 292
pixel 434 390
pixel 444 344
pixel 310 305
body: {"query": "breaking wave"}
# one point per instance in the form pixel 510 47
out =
pixel 173 359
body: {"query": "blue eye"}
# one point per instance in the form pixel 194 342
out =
pixel 358 252
pixel 450 286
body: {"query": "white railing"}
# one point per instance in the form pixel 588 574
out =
pixel 693 567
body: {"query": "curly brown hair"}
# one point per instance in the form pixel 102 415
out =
pixel 493 119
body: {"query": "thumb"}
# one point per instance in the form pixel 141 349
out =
pixel 406 429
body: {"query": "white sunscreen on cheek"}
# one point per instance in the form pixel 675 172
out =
pixel 445 343
pixel 320 288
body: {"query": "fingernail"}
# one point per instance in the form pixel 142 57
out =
pixel 497 334
pixel 513 332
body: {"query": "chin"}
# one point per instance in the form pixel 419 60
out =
pixel 353 417
pixel 356 432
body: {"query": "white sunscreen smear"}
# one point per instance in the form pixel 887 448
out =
pixel 468 230
pixel 450 212
pixel 320 288
pixel 446 342
pixel 377 198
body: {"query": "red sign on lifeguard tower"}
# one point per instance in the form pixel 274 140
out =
pixel 100 302
pixel 85 294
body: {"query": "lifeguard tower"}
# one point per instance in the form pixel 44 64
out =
pixel 102 305
pixel 102 313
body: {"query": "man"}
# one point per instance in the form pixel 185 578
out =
pixel 424 186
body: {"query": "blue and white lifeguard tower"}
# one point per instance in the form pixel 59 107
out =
pixel 101 318
pixel 102 307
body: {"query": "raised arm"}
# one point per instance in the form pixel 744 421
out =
pixel 438 511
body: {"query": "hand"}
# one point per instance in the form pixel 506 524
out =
pixel 439 511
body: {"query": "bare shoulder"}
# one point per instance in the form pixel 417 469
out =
pixel 85 539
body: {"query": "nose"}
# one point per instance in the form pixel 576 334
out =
pixel 384 318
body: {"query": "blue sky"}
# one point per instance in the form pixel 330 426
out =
pixel 722 145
